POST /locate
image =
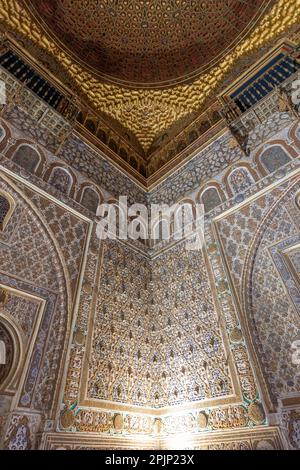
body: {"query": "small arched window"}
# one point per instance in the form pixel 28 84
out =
pixel 91 126
pixel 193 136
pixel 27 158
pixel 133 163
pixel 215 117
pixel 210 199
pixel 80 117
pixel 102 136
pixel 274 158
pixel 112 145
pixel 204 126
pixel 123 153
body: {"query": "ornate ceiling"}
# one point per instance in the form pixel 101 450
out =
pixel 148 42
pixel 147 112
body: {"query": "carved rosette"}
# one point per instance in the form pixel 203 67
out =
pixel 256 413
pixel 67 419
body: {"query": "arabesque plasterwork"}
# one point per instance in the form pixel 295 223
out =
pixel 121 344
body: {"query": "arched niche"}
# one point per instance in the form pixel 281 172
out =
pixel 123 153
pixel 210 198
pixel 27 157
pixel 46 269
pixel 61 180
pixel 80 117
pixel 193 136
pixel 113 146
pixel 101 134
pixel 204 126
pixel 274 158
pixel 90 199
pixel 133 163
pixel 90 126
pixel 215 117
pixel 270 311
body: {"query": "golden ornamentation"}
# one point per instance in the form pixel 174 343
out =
pixel 169 104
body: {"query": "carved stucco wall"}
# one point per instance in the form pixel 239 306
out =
pixel 128 286
pixel 275 319
pixel 165 300
pixel 38 275
pixel 170 296
pixel 260 242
